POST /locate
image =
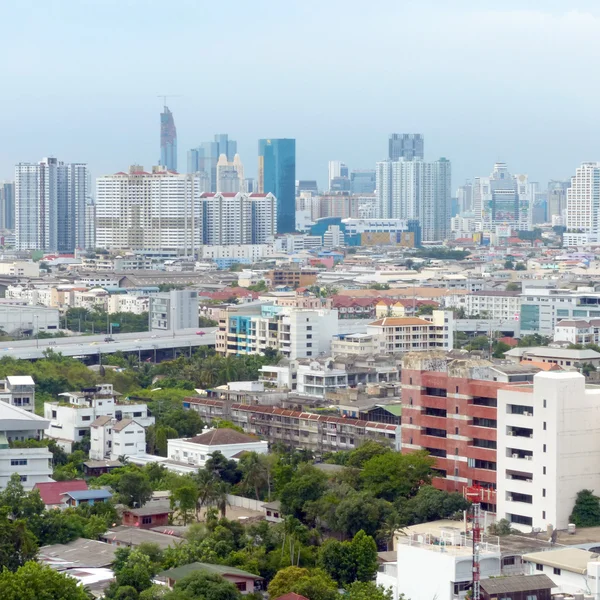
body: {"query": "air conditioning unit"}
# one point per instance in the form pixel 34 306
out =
pixel 515 456
pixel 509 433
pixel 527 414
pixel 509 497
pixel 529 457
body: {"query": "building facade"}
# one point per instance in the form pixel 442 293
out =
pixel 7 205
pixel 583 203
pixel 168 140
pixel 362 181
pixel 174 310
pixel 18 390
pixel 503 306
pixel 277 175
pixel 204 158
pixel 407 146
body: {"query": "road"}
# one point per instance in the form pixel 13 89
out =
pixel 93 345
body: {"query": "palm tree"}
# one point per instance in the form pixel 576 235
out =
pixel 206 485
pixel 220 499
pixel 255 473
pixel 229 369
pixel 210 371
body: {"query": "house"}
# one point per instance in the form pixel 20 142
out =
pixel 95 468
pixel 273 512
pixel 53 493
pixel 111 438
pixel 197 450
pixel 517 587
pixel 246 583
pixel 153 514
pixel 18 390
pixel 91 497
pixel 131 537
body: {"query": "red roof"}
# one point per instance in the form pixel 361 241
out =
pixel 510 341
pixel 51 491
pixel 258 195
pixel 292 596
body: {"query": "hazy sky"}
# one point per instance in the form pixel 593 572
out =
pixel 80 79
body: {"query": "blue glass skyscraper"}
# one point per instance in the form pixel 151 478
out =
pixel 277 175
pixel 168 140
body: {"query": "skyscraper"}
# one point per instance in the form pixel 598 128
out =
pixel 557 197
pixel 168 140
pixel 7 205
pixel 277 175
pixel 362 181
pixel 415 189
pixel 409 146
pixel 464 195
pixel 204 158
pixel 50 205
pixel 337 169
pixel 583 201
pixel 230 175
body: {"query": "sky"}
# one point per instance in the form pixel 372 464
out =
pixel 483 81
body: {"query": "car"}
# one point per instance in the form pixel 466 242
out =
pixel 200 332
pixel 108 338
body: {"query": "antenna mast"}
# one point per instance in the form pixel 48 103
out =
pixel 476 508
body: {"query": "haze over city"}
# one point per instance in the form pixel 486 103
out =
pixel 482 81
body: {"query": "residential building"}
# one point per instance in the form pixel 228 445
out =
pixel 111 438
pixel 320 377
pixel 337 170
pixel 50 201
pixel 362 181
pixel 449 409
pixel 465 225
pixel 501 305
pixel 583 203
pixel 552 355
pixel 90 497
pixel 53 493
pixel 503 199
pixel 174 310
pixel 153 514
pixel 578 331
pixel 18 390
pixel 157 211
pixel 406 334
pixel 198 449
pixel 292 277
pixel 7 205
pixel 230 175
pixel 548 449
pixel 464 197
pixel 336 205
pixel 34 465
pixel 406 146
pixel 205 157
pixel 543 308
pixel 225 256
pixel 71 417
pixel 238 218
pixel 131 303
pixel 277 175
pixel 293 332
pixel 20 268
pixel 168 140
pixel 90 224
pixel 358 344
pixel 296 429
pixel 414 189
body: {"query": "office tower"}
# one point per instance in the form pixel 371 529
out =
pixel 204 158
pixel 240 218
pixel 230 175
pixel 7 205
pixel 409 146
pixel 339 185
pixel 503 199
pixel 307 185
pixel 583 200
pixel 168 140
pixel 362 181
pixel 50 205
pixel 464 195
pixel 557 197
pixel 250 185
pixel 337 169
pixel 277 175
pixel 90 224
pixel 149 211
pixel 415 189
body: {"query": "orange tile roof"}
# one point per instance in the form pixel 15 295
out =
pixel 542 365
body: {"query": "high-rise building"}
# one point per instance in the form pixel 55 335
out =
pixel 149 211
pixel 230 175
pixel 464 195
pixel 168 140
pixel 557 197
pixel 409 146
pixel 90 224
pixel 204 158
pixel 7 205
pixel 307 185
pixel 339 185
pixel 415 189
pixel 337 169
pixel 237 218
pixel 362 181
pixel 50 205
pixel 277 175
pixel 503 199
pixel 583 201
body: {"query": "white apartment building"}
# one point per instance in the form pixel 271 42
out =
pixel 177 309
pixel 131 303
pixel 149 211
pixel 72 416
pixel 18 390
pixel 464 225
pixel 238 218
pixel 358 344
pixel 543 308
pixel 578 331
pixel 20 268
pixel 318 378
pixel 90 299
pixel 283 375
pixel 293 332
pixel 246 252
pixel 410 334
pixel 111 438
pixel 548 449
pixel 34 465
pixel 502 306
pixel 583 203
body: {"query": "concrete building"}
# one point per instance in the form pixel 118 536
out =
pixel 578 331
pixel 317 378
pixel 170 311
pixel 583 203
pixel 111 438
pixel 337 170
pixel 198 449
pixel 548 449
pixel 18 319
pixel 505 306
pixel 293 332
pixel 71 417
pixel 562 357
pixel 362 181
pixel 168 140
pixel 159 210
pixel 557 198
pixel 406 334
pixel 230 175
pixel 358 344
pixel 407 146
pixel 7 205
pixel 18 390
pixel 20 268
pixel 203 159
pixel 34 465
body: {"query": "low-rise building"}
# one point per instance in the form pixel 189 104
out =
pixel 20 268
pixel 111 438
pixel 53 493
pixel 578 331
pixel 153 514
pixel 18 390
pixel 499 305
pixel 360 344
pixel 563 357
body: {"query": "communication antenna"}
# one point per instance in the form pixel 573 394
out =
pixel 165 96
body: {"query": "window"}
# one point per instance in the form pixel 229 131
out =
pixel 556 571
pixel 539 567
pixel 508 560
pixel 543 517
pixel 86 418
pixel 544 448
pixel 137 414
pixel 543 470
pixel 82 432
pixel 410 380
pixel 18 462
pixel 544 404
pixel 544 425
pixel 240 585
pixel 543 492
pixel 457 389
pixel 23 478
pixel 54 414
pixel 130 444
pixel 479 422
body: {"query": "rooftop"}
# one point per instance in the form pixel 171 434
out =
pixel 546 352
pixel 52 492
pixel 88 494
pixel 20 380
pixel 181 572
pixel 569 559
pixel 157 507
pixel 517 583
pixel 134 536
pixel 399 322
pixel 220 437
pixel 79 553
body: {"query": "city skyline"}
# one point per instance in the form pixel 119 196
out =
pixel 114 126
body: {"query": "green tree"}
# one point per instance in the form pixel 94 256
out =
pixel 500 348
pixel 207 586
pixel 307 485
pixel 586 512
pixel 223 468
pixel 347 562
pixel 431 504
pixel 367 450
pixel 33 581
pixel 425 309
pixel 317 586
pixel 185 498
pixel 520 267
pixel 513 287
pixel 134 488
pixel 284 581
pixel 509 264
pixel 360 511
pixel 393 475
pixel 367 590
pixel 17 543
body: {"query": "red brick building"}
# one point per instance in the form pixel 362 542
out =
pixel 152 514
pixel 449 408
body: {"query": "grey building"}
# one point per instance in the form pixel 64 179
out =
pixel 174 310
pixel 557 197
pixel 307 185
pixel 7 205
pixel 204 158
pixel 409 146
pixel 362 181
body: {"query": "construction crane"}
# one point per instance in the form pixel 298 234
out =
pixel 165 96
